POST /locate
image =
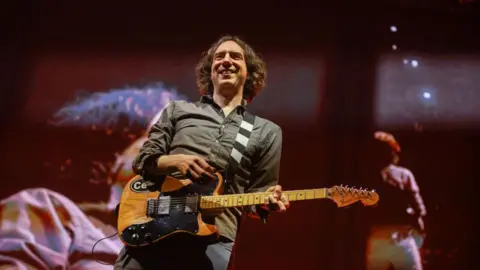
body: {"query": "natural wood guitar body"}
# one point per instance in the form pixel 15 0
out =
pixel 137 228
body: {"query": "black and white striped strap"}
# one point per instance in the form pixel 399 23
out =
pixel 239 146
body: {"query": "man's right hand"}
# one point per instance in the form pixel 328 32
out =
pixel 189 165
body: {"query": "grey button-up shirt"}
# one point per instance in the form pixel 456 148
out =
pixel 202 129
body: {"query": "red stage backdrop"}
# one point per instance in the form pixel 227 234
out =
pixel 84 82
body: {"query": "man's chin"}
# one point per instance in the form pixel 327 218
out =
pixel 227 84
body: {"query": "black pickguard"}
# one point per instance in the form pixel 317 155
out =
pixel 176 222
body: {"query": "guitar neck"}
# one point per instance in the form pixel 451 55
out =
pixel 234 200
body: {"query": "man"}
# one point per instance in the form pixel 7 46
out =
pixel 196 139
pixel 394 241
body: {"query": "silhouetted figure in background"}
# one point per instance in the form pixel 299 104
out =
pixel 398 229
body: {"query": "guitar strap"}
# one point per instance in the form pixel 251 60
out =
pixel 236 155
pixel 238 149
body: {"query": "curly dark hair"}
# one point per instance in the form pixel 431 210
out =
pixel 256 69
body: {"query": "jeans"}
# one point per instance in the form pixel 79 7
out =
pixel 392 248
pixel 212 257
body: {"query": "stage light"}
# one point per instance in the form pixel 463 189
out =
pixel 427 95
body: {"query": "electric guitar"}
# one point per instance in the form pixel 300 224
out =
pixel 148 214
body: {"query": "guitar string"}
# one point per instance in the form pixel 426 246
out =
pixel 182 202
pixel 224 199
pixel 205 198
pixel 296 193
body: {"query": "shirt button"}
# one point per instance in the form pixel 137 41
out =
pixel 216 141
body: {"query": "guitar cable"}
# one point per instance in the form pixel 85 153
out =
pixel 93 252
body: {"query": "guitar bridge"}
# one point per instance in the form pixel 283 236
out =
pixel 158 207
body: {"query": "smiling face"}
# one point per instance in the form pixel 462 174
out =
pixel 229 69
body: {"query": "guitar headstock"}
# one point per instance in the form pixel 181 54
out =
pixel 344 196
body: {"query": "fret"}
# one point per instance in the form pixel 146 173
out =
pixel 239 200
pixel 321 193
pixel 309 194
pixel 225 202
pixel 210 204
pixel 257 199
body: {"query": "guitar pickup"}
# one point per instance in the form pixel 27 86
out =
pixel 191 204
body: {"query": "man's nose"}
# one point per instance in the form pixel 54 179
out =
pixel 227 61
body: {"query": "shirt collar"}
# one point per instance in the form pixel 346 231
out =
pixel 208 99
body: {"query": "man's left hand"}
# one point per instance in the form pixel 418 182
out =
pixel 276 201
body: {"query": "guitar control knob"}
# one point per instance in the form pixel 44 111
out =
pixel 130 229
pixel 148 237
pixel 135 236
pixel 142 227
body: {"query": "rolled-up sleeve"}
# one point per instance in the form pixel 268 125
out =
pixel 266 170
pixel 418 205
pixel 158 143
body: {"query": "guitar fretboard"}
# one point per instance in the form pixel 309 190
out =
pixel 233 200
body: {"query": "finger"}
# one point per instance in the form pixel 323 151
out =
pixel 266 200
pixel 277 191
pixel 285 201
pixel 270 202
pixel 191 173
pixel 281 206
pixel 183 168
pixel 194 166
pixel 272 199
pixel 204 165
pixel 268 205
pixel 202 172
pixel 274 203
